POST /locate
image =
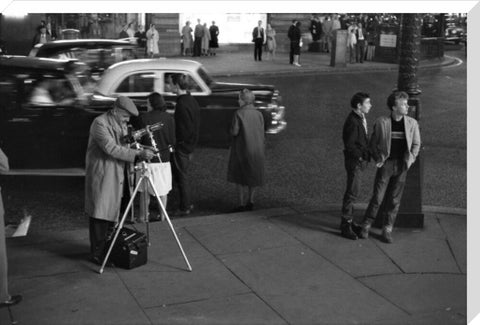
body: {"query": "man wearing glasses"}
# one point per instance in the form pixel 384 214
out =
pixel 394 146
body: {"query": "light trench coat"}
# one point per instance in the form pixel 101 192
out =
pixel 105 163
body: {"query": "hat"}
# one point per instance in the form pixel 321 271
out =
pixel 126 104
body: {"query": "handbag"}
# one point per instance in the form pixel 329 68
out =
pixel 301 43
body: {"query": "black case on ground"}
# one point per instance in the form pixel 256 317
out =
pixel 130 249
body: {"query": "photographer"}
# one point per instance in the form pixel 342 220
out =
pixel 104 172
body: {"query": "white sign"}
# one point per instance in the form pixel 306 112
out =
pixel 388 40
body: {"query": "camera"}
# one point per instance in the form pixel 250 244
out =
pixel 135 135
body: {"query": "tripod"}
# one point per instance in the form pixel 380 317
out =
pixel 143 178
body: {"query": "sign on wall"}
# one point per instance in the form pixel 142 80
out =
pixel 388 40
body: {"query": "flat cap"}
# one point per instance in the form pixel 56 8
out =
pixel 126 104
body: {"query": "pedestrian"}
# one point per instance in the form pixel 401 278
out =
pixel 246 165
pixel 130 30
pixel 42 37
pixel 271 42
pixel 356 153
pixel 141 36
pixel 187 127
pixel 290 37
pixel 152 41
pixel 159 167
pixel 187 39
pixel 123 33
pixel 6 299
pixel 106 157
pixel 327 34
pixel 197 43
pixel 361 35
pixel 205 40
pixel 258 38
pixel 315 28
pixel 394 146
pixel 352 43
pixel 214 31
pixel 296 43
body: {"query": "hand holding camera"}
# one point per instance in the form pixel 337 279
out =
pixel 145 154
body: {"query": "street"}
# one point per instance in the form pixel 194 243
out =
pixel 305 163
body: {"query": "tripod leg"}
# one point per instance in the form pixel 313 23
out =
pixel 120 225
pixel 164 211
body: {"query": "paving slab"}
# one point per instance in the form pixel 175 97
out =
pixel 238 309
pixel 421 293
pixel 455 227
pixel 305 288
pixel 240 235
pixel 164 280
pixel 75 298
pixel 319 231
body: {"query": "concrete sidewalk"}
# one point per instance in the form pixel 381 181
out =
pixel 277 266
pixel 239 61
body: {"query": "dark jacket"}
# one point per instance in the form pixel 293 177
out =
pixel 355 138
pixel 255 34
pixel 187 123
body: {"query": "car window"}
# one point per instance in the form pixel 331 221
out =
pixel 168 86
pixel 137 83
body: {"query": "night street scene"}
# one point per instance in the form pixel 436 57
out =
pixel 211 167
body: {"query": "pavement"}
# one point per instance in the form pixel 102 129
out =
pixel 287 265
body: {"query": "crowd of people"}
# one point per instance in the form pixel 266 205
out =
pixel 203 42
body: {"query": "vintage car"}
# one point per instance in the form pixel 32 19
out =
pixel 45 112
pixel 218 100
pixel 454 33
pixel 99 54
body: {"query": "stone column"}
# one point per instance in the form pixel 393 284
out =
pixel 339 48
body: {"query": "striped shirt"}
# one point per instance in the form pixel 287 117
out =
pixel 399 143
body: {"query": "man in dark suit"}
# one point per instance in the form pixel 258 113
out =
pixel 197 43
pixel 290 34
pixel 357 155
pixel 258 37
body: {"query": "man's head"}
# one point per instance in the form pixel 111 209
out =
pixel 181 82
pixel 259 23
pixel 156 102
pixel 43 29
pixel 361 102
pixel 123 108
pixel 294 21
pixel 246 97
pixel 198 21
pixel 398 102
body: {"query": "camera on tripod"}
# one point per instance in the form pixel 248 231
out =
pixel 134 136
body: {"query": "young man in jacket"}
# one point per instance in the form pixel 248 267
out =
pixel 394 145
pixel 187 129
pixel 355 139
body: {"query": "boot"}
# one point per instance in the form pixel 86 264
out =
pixel 367 224
pixel 346 229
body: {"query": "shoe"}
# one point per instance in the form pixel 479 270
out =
pixel 346 229
pixel 12 301
pixel 186 212
pixel 296 64
pixel 249 206
pixel 387 236
pixel 365 230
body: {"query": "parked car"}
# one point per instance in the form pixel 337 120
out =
pixel 45 113
pixel 454 32
pixel 218 100
pixel 99 54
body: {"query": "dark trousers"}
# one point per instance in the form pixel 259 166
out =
pixel 100 233
pixel 391 175
pixel 257 52
pixel 197 46
pixel 354 170
pixel 180 175
pixel 292 51
pixel 360 49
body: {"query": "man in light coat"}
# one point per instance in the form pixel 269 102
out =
pixel 394 145
pixel 105 166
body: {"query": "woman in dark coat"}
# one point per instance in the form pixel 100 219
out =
pixel 213 38
pixel 246 166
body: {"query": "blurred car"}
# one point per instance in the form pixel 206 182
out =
pixel 99 54
pixel 45 112
pixel 43 121
pixel 218 100
pixel 454 32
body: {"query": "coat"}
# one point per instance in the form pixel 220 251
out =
pixel 381 139
pixel 355 138
pixel 104 171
